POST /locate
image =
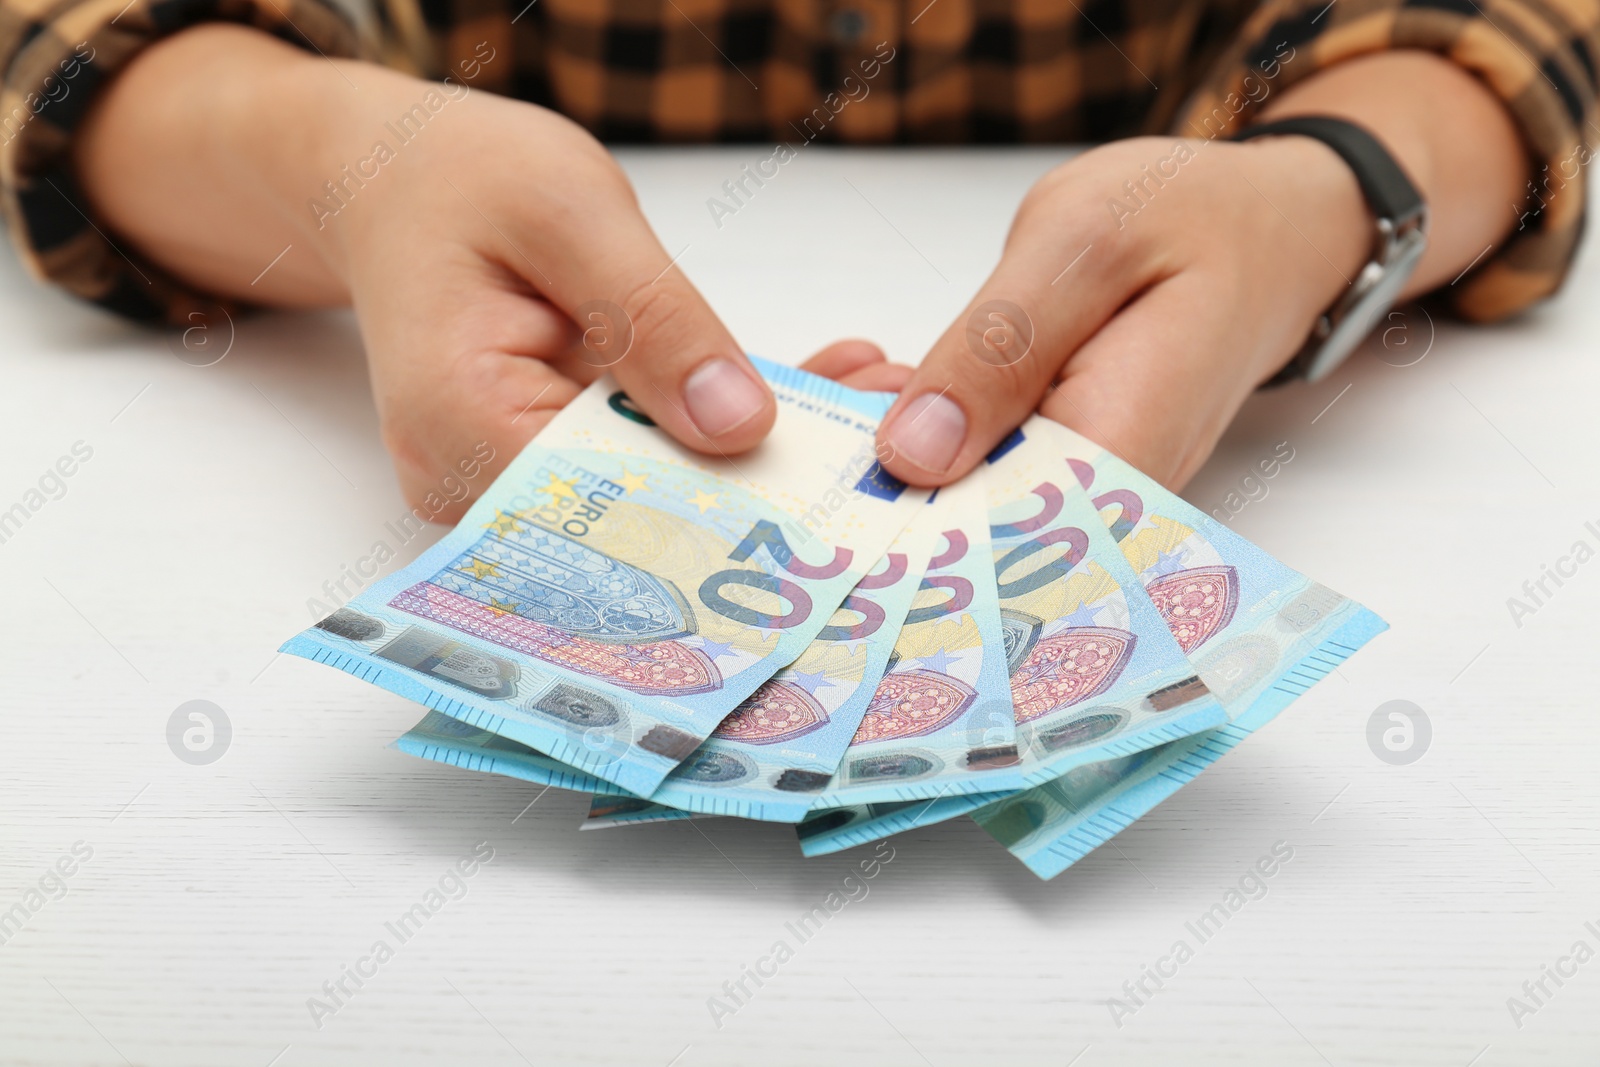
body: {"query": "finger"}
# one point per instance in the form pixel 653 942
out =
pixel 860 365
pixel 644 321
pixel 879 377
pixel 528 324
pixel 988 371
pixel 844 357
pixel 1151 385
pixel 461 400
pixel 443 470
pixel 519 321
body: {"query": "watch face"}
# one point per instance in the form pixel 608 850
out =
pixel 1353 327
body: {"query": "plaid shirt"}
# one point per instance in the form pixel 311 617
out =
pixel 840 71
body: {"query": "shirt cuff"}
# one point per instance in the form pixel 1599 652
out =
pixel 54 57
pixel 1535 56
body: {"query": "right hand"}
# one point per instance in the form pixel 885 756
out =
pixel 499 263
pixel 496 258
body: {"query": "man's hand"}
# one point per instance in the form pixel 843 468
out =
pixel 1149 286
pixel 499 267
pixel 497 259
pixel 493 251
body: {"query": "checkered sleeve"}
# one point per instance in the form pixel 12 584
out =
pixel 54 56
pixel 1537 56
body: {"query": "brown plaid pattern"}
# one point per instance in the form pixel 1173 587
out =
pixel 1537 55
pixel 838 71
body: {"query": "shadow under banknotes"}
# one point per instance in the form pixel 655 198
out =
pixel 1198 834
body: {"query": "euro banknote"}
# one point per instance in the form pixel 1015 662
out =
pixel 1053 645
pixel 941 719
pixel 774 753
pixel 1258 633
pixel 609 811
pixel 613 596
pixel 1095 672
pixel 440 738
pixel 834 830
pixel 772 757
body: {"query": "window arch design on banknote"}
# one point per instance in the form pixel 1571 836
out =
pixel 557 599
pixel 1068 669
pixel 654 667
pixel 778 711
pixel 1197 602
pixel 913 703
pixel 524 569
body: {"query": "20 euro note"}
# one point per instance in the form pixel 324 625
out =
pixel 606 812
pixel 1095 673
pixel 770 758
pixel 1258 633
pixel 772 754
pixel 940 721
pixel 440 738
pixel 613 595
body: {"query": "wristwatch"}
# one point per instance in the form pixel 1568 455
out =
pixel 1398 241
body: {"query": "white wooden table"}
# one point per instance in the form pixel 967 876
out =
pixel 219 899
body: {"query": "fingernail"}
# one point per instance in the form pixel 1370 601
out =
pixel 929 432
pixel 720 397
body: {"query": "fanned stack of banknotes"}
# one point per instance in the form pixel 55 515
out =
pixel 1051 646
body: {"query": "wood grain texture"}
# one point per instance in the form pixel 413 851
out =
pixel 219 899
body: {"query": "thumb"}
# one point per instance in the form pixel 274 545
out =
pixel 640 319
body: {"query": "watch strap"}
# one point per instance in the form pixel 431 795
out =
pixel 1389 192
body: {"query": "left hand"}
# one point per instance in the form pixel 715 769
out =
pixel 1145 325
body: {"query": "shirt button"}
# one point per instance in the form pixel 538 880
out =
pixel 848 25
